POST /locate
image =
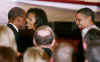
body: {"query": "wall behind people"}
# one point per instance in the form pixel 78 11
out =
pixel 54 14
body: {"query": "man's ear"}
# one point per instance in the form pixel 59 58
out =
pixel 10 20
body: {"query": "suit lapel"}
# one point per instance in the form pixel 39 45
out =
pixel 12 27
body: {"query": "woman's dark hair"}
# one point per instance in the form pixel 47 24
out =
pixel 41 17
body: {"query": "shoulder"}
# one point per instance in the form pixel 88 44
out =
pixel 10 26
pixel 93 32
pixel 93 37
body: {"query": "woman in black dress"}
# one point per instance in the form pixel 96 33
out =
pixel 35 18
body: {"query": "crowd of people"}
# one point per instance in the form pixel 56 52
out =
pixel 28 38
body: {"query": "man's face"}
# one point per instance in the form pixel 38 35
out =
pixel 82 20
pixel 20 21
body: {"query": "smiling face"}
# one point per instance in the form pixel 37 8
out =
pixel 82 20
pixel 31 20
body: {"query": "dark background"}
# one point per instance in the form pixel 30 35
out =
pixel 67 29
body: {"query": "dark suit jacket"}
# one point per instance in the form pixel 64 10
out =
pixel 26 37
pixel 16 37
pixel 93 41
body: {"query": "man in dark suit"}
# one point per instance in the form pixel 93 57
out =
pixel 93 42
pixel 16 21
pixel 85 21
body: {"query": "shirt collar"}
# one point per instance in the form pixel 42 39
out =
pixel 85 30
pixel 14 27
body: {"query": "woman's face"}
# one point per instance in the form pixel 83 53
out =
pixel 31 20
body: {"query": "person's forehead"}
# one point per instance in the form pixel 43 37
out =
pixel 31 14
pixel 22 18
pixel 80 15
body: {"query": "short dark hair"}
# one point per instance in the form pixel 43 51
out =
pixel 93 43
pixel 7 54
pixel 87 12
pixel 44 40
pixel 41 17
pixel 15 12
